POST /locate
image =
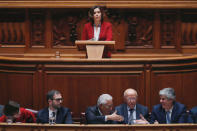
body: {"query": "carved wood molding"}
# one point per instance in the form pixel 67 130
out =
pixel 127 61
pixel 110 4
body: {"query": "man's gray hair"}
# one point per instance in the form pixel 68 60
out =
pixel 168 92
pixel 103 99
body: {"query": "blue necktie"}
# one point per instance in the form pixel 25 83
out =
pixel 130 120
pixel 168 121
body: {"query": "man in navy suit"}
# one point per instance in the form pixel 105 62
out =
pixel 168 111
pixel 102 113
pixel 193 115
pixel 132 112
pixel 60 115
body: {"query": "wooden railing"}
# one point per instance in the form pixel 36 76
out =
pixel 158 4
pixel 74 127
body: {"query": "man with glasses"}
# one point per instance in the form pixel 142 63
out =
pixel 132 112
pixel 55 113
pixel 103 112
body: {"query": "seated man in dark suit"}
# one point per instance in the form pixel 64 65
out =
pixel 193 115
pixel 132 112
pixel 55 113
pixel 14 113
pixel 102 113
pixel 168 111
pixel 1 110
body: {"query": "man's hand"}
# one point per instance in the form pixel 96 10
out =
pixel 142 120
pixel 156 122
pixel 115 117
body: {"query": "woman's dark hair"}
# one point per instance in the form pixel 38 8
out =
pixel 11 108
pixel 91 13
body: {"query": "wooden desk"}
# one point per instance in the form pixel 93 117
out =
pixel 77 127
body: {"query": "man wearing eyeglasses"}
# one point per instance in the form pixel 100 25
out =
pixel 132 112
pixel 55 113
pixel 103 112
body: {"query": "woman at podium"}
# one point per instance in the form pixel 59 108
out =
pixel 97 29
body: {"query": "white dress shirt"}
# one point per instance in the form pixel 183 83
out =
pixel 134 112
pixel 97 32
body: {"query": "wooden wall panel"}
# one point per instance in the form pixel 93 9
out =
pixel 163 80
pixel 189 88
pixel 3 87
pixel 82 81
pixel 117 84
pixel 181 77
pixel 169 4
pixel 17 87
pixel 43 31
pixel 81 91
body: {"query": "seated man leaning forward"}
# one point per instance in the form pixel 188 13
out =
pixel 132 112
pixel 13 113
pixel 102 113
pixel 60 115
pixel 168 111
pixel 193 115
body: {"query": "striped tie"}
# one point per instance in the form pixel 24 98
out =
pixel 130 120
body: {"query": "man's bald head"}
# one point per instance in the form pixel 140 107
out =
pixel 130 97
pixel 130 91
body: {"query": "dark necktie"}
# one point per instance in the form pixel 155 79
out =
pixel 168 120
pixel 53 114
pixel 130 120
pixel 52 118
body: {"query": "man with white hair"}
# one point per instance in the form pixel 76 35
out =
pixel 132 112
pixel 168 111
pixel 102 113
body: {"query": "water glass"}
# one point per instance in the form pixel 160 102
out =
pixel 9 120
pixel 51 120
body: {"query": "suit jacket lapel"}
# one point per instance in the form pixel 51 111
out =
pixel 46 115
pixel 125 111
pixel 59 116
pixel 173 115
pixel 138 112
pixel 97 111
pixel 92 31
pixel 163 115
pixel 101 31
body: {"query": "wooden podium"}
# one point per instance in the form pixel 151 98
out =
pixel 94 49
